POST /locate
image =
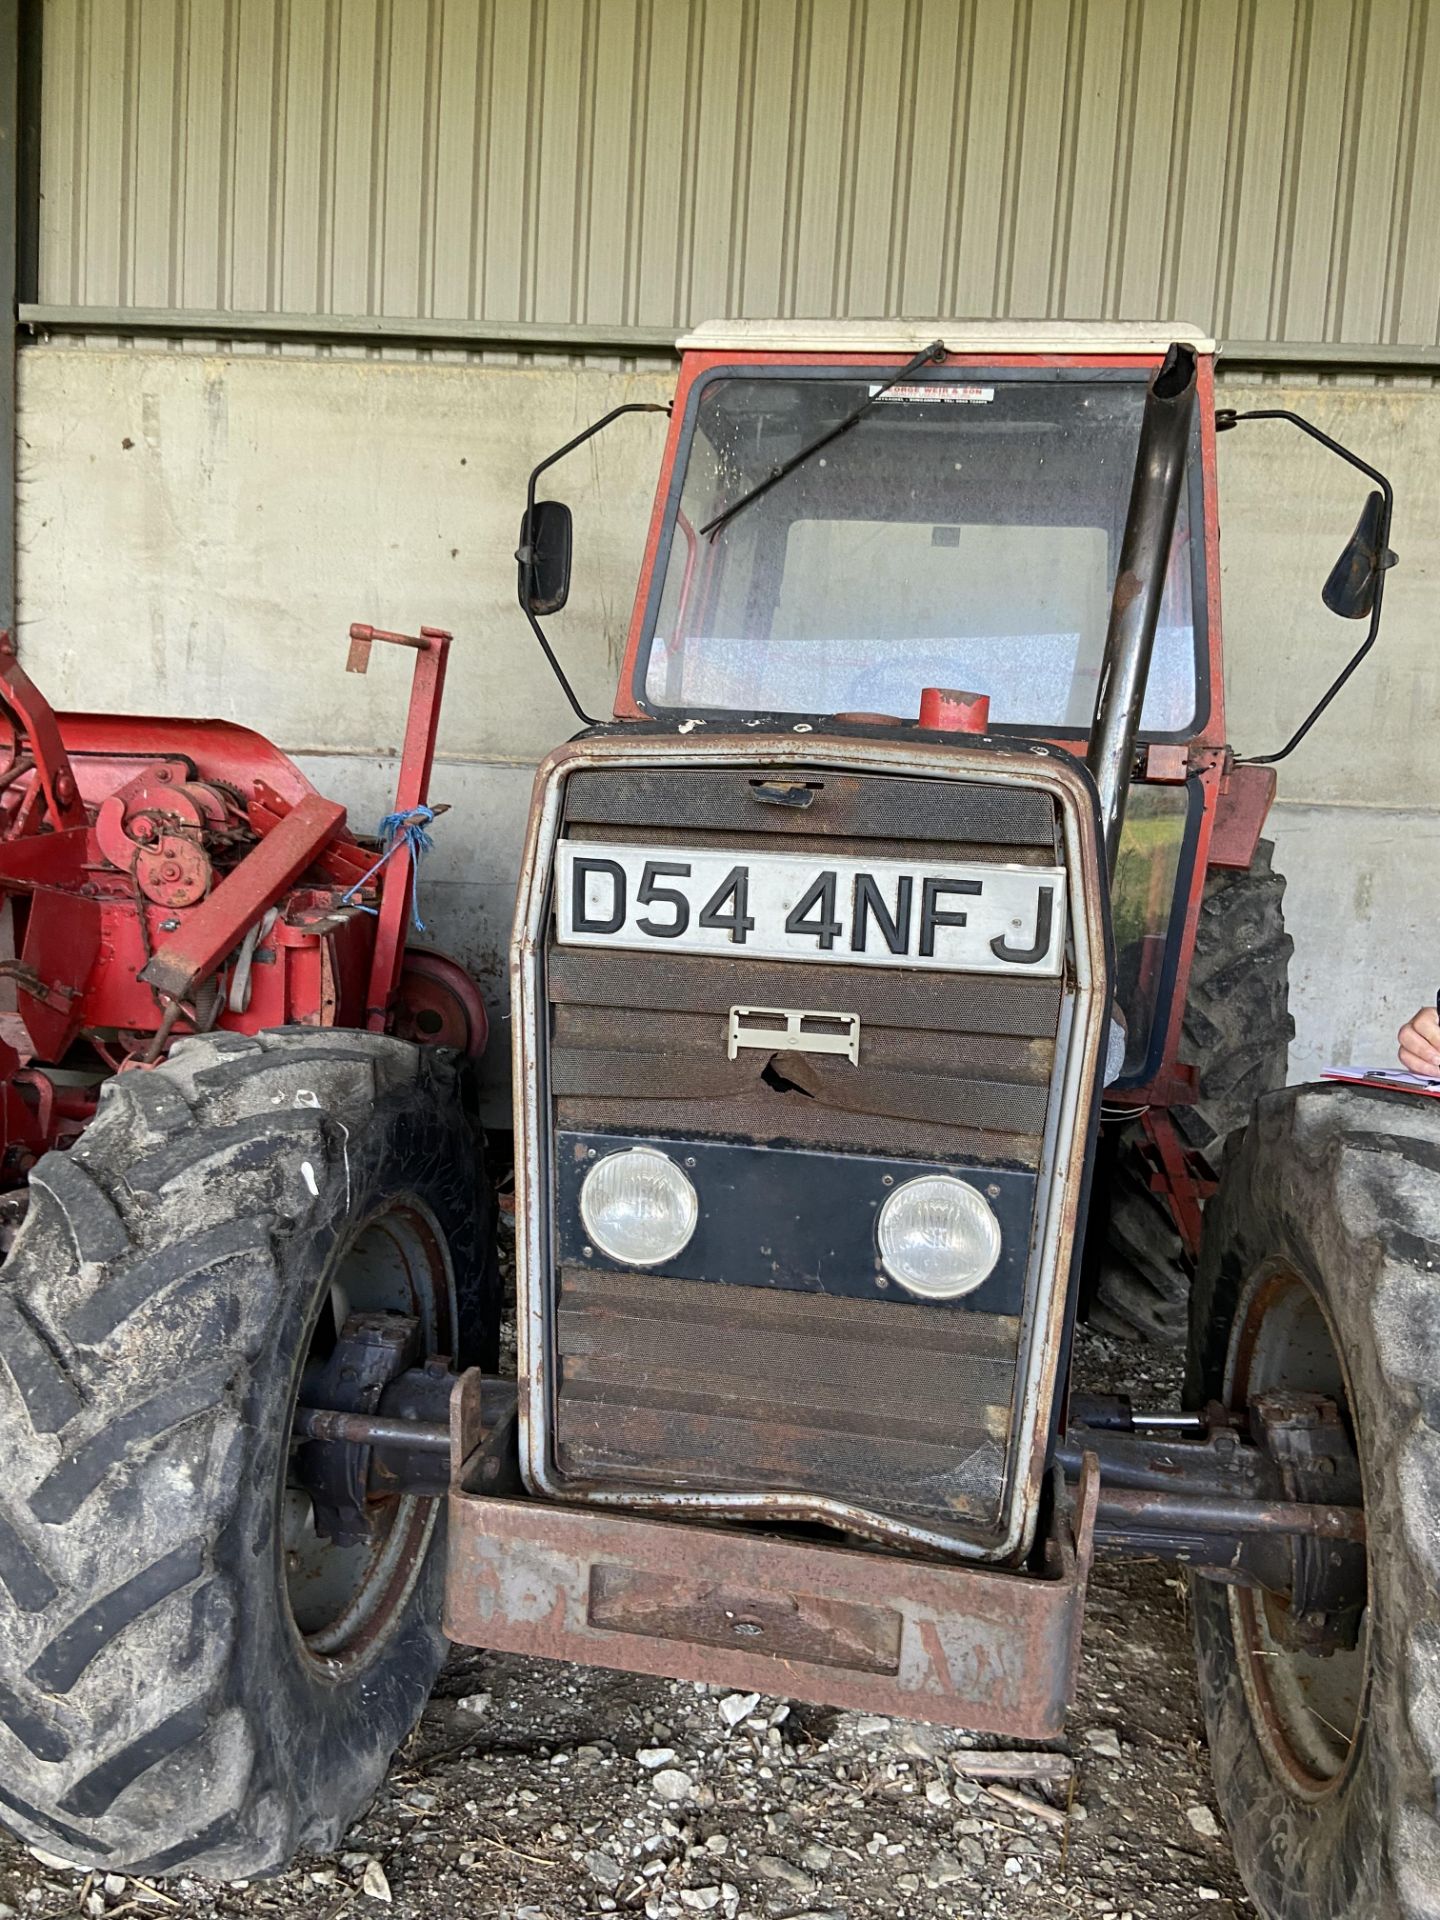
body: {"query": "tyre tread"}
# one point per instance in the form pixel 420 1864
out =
pixel 62 1660
pixel 95 1792
pixel 1237 1030
pixel 64 1490
pixel 46 1385
pixel 139 1231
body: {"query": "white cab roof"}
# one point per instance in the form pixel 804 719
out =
pixel 960 336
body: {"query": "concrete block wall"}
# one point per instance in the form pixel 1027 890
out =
pixel 197 531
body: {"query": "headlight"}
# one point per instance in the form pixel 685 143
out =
pixel 938 1237
pixel 638 1207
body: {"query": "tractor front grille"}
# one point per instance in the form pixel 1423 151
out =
pixel 672 1383
pixel 952 1065
pixel 773 1358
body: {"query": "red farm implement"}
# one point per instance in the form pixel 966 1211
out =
pixel 172 877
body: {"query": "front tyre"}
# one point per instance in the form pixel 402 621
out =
pixel 191 1675
pixel 1320 1274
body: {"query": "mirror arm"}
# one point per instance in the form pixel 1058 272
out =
pixel 586 719
pixel 526 556
pixel 1227 417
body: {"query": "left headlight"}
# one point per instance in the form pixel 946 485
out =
pixel 938 1237
pixel 638 1207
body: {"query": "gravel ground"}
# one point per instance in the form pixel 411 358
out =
pixel 533 1791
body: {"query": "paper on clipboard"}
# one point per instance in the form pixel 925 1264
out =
pixel 1392 1079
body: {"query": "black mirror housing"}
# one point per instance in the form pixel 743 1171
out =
pixel 1351 587
pixel 543 557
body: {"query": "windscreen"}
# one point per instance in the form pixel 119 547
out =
pixel 963 533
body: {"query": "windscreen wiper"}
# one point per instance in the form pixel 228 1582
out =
pixel 935 351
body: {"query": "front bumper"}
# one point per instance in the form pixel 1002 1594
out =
pixel 963 1646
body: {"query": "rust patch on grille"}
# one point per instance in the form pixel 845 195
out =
pixel 690 983
pixel 770 1117
pixel 673 1382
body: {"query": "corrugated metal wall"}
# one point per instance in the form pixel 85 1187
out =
pixel 1271 169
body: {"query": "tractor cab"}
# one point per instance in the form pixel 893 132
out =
pixel 964 531
pixel 890 865
pixel 830 541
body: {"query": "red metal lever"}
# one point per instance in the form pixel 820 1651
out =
pixel 431 647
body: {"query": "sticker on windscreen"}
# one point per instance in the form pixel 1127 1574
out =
pixel 939 392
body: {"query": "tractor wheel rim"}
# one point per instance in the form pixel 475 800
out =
pixel 1308 1709
pixel 344 1601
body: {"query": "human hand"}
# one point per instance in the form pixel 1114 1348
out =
pixel 1420 1043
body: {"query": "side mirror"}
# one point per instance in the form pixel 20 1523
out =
pixel 1354 578
pixel 543 557
pixel 1356 587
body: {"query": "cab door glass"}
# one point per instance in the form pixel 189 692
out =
pixel 1147 901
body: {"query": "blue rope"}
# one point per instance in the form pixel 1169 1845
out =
pixel 399 830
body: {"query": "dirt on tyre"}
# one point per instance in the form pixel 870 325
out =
pixel 189 1678
pixel 1236 1032
pixel 1320 1274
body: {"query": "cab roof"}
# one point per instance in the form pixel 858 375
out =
pixel 960 336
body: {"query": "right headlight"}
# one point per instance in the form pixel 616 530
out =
pixel 939 1238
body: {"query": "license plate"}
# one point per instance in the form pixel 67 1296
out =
pixel 963 918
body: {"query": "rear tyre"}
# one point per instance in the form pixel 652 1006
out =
pixel 1320 1272
pixel 1237 1031
pixel 190 1676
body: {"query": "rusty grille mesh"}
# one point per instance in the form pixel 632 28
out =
pixel 681 1383
pixel 850 806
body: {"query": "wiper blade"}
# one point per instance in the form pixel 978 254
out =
pixel 935 351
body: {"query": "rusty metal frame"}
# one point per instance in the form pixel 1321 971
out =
pixel 1247 793
pixel 1187 1181
pixel 1061 1175
pixel 965 1646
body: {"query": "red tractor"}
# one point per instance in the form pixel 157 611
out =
pixel 890 981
